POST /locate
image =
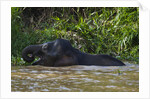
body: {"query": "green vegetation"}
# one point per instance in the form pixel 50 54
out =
pixel 113 31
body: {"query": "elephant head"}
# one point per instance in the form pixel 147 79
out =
pixel 30 52
pixel 49 53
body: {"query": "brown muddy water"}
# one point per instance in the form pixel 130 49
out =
pixel 75 78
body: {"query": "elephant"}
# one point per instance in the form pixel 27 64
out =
pixel 61 53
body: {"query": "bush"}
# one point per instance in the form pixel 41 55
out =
pixel 113 31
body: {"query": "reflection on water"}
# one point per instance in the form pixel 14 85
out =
pixel 75 78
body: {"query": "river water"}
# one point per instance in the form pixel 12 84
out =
pixel 75 78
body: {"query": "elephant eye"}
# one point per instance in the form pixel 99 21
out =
pixel 44 47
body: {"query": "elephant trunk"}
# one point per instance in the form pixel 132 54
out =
pixel 28 52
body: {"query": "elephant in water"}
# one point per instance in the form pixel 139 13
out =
pixel 61 53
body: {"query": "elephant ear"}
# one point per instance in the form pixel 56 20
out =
pixel 28 53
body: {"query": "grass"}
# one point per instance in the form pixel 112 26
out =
pixel 113 31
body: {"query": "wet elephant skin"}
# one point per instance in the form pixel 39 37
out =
pixel 61 53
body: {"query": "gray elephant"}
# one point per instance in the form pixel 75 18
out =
pixel 61 53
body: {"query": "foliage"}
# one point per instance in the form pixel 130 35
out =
pixel 113 31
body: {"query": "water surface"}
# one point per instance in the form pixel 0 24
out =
pixel 75 78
